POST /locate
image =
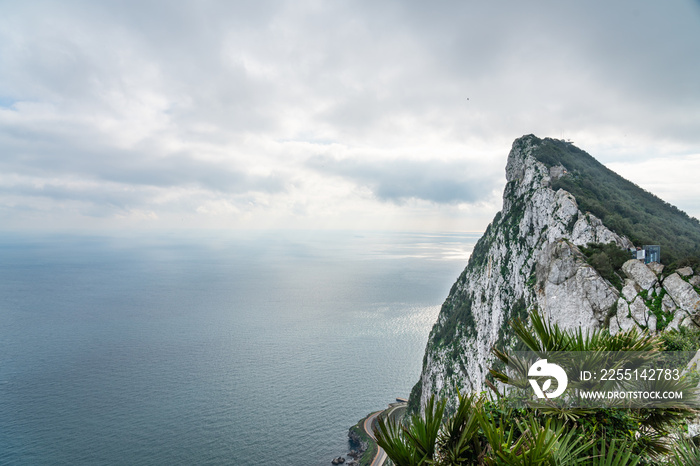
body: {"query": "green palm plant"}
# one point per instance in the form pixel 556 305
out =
pixel 618 453
pixel 487 433
pixel 459 442
pixel 412 444
pixel 391 437
pixel 543 337
pixel 492 432
pixel 524 444
pixel 546 339
pixel 685 452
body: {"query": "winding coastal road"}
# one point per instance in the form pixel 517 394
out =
pixel 368 425
pixel 380 457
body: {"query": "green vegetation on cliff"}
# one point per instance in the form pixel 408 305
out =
pixel 607 259
pixel 497 431
pixel 527 258
pixel 623 206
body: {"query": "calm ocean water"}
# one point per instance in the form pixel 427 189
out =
pixel 244 349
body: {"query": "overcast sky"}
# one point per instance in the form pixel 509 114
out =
pixel 330 114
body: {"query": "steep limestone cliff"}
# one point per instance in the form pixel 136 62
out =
pixel 529 257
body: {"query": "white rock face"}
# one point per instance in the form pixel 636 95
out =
pixel 641 315
pixel 685 272
pixel 683 293
pixel 640 273
pixel 630 290
pixel 557 172
pixel 528 257
pixel 680 319
pixel 571 292
pixel 622 320
pixel 590 229
pixel 667 304
pixel 656 267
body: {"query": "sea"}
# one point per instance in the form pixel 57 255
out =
pixel 213 348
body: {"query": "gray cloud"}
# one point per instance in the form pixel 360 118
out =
pixel 566 67
pixel 401 180
pixel 150 96
pixel 49 157
pixel 96 201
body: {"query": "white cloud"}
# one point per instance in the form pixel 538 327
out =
pixel 221 113
pixel 675 183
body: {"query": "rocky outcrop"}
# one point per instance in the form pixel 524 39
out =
pixel 640 273
pixel 682 293
pixel 569 291
pixel 656 268
pixel 357 445
pixel 530 257
pixel 654 304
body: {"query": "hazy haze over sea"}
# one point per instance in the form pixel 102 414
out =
pixel 236 348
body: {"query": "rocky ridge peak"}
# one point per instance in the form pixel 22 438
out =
pixel 529 257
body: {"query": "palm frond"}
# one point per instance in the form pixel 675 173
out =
pixel 423 430
pixel 685 452
pixel 458 442
pixel 618 453
pixel 391 437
